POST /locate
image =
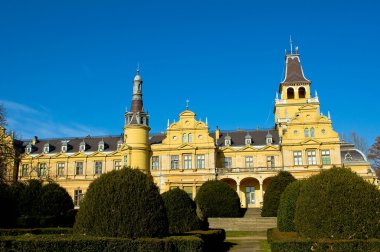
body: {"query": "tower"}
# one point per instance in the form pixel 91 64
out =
pixel 136 129
pixel 294 91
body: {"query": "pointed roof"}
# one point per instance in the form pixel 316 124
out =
pixel 293 70
pixel 137 102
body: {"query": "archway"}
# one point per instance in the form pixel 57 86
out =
pixel 301 92
pixel 231 182
pixel 290 93
pixel 250 192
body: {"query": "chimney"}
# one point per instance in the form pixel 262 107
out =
pixel 217 133
pixel 35 140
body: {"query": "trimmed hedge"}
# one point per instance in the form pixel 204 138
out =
pixel 7 208
pixel 55 200
pixel 35 231
pixel 289 241
pixel 213 238
pixel 217 199
pixel 338 204
pixel 124 203
pixel 273 193
pixel 287 207
pixel 82 243
pixel 181 211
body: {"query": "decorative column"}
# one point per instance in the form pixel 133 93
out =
pixel 261 194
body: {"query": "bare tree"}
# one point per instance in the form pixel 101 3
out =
pixel 8 153
pixel 374 155
pixel 360 142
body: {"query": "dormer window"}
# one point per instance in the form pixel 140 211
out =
pixel 64 146
pixel 248 139
pixel 82 146
pixel 28 148
pixel 47 148
pixel 227 140
pixel 119 143
pixel 269 138
pixel 101 146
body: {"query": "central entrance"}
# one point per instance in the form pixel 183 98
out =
pixel 250 196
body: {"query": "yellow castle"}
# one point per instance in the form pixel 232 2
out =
pixel 302 142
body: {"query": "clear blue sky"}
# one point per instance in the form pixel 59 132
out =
pixel 66 67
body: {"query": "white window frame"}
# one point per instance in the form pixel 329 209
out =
pixel 79 166
pixel 201 163
pixel 311 157
pixel 117 164
pixel 271 163
pixel 325 155
pixel 98 167
pixel 187 161
pixel 249 161
pixel 174 162
pixel 61 169
pixel 24 170
pixel 297 158
pixel 155 162
pixel 78 197
pixel 227 162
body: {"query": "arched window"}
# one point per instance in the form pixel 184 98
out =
pixel 312 133
pixel 301 92
pixel 290 93
pixel 184 138
pixel 306 132
pixel 190 138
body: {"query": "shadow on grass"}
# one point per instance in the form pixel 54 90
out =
pixel 226 246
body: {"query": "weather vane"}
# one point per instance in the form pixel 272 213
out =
pixel 187 104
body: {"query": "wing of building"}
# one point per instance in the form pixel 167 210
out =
pixel 302 142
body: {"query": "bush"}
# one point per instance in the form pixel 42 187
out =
pixel 338 204
pixel 273 193
pixel 80 243
pixel 7 207
pixel 287 207
pixel 181 211
pixel 213 238
pixel 217 199
pixel 55 201
pixel 123 203
pixel 290 241
pixel 30 199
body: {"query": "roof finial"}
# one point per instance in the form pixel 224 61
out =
pixel 168 123
pixel 138 68
pixel 291 44
pixel 296 49
pixel 206 121
pixel 187 104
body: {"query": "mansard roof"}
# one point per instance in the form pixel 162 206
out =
pixel 110 144
pixel 238 137
pixel 293 70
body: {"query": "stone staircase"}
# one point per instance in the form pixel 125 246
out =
pixel 252 221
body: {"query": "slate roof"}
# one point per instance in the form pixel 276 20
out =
pixel 238 137
pixel 349 154
pixel 293 70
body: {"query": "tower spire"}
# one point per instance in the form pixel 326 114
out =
pixel 291 44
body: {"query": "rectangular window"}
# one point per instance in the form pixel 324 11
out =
pixel 79 168
pixel 174 160
pixel 326 157
pixel 117 164
pixel 311 157
pixel 248 162
pixel 227 162
pixel 24 171
pixel 61 169
pixel 155 162
pixel 189 191
pixel 41 169
pixel 126 160
pixel 297 155
pixel 78 196
pixel 201 161
pixel 187 162
pixel 98 167
pixel 270 162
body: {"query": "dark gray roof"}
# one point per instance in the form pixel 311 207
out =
pixel 349 154
pixel 238 137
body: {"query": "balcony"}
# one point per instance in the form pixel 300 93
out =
pixel 224 171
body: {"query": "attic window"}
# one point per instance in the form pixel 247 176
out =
pixel 348 157
pixel 28 148
pixel 82 146
pixel 119 143
pixel 248 141
pixel 269 140
pixel 46 148
pixel 64 146
pixel 227 141
pixel 101 146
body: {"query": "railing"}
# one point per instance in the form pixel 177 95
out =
pixel 222 171
pixel 311 100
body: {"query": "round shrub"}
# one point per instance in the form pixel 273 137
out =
pixel 55 201
pixel 181 211
pixel 287 207
pixel 123 203
pixel 273 193
pixel 217 199
pixel 338 204
pixel 30 199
